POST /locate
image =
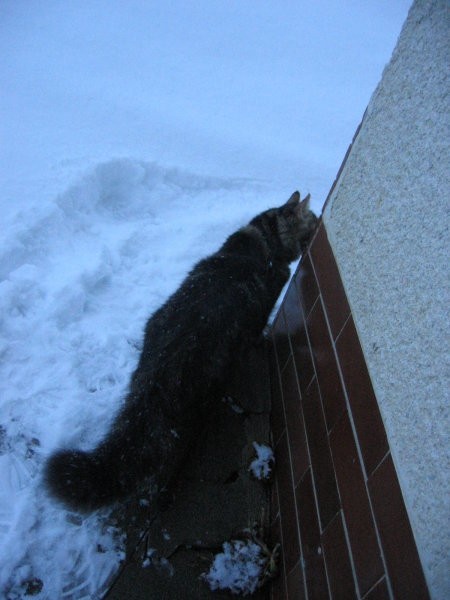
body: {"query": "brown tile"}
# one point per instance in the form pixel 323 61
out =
pixel 306 284
pixel 294 420
pixel 337 560
pixel 278 591
pixel 322 466
pixel 278 586
pixel 288 513
pixel 280 339
pixel 366 415
pixel 330 385
pixel 316 581
pixel 275 537
pixel 402 560
pixel 297 334
pixel 274 502
pixel 275 534
pixel 303 359
pixel 277 420
pixel 379 592
pixel 294 581
pixel 292 310
pixel 330 283
pixel 355 503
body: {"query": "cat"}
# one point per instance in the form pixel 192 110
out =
pixel 188 351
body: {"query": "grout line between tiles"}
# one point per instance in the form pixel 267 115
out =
pixel 300 564
pixel 276 441
pixel 280 388
pixel 359 453
pixel 343 327
pixel 323 301
pixel 364 472
pixel 281 539
pixel 284 430
pixel 301 558
pixel 275 482
pixel 365 477
pixel 347 401
pixel 292 476
pixel 325 566
pixel 282 367
pixel 313 479
pixel 355 437
pixel 379 465
pixel 350 553
pixel 307 315
pixel 315 376
pixel 360 457
pixel 374 586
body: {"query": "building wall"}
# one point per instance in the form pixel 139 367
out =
pixel 387 220
pixel 337 506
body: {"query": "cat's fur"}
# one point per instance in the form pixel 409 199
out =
pixel 188 350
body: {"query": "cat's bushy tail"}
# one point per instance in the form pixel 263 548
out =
pixel 83 481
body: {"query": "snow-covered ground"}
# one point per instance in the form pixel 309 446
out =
pixel 262 466
pixel 134 137
pixel 238 568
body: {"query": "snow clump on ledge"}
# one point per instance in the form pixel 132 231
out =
pixel 238 568
pixel 261 467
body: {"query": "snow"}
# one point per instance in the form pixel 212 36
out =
pixel 261 466
pixel 148 557
pixel 135 137
pixel 80 279
pixel 160 563
pixel 238 568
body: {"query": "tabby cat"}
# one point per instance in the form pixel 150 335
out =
pixel 188 351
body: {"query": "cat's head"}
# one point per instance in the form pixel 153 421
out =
pixel 288 228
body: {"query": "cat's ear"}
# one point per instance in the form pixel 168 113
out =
pixel 305 203
pixel 294 199
pixel 301 207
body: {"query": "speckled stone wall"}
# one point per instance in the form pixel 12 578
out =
pixel 387 221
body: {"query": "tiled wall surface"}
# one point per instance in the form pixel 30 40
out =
pixel 336 504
